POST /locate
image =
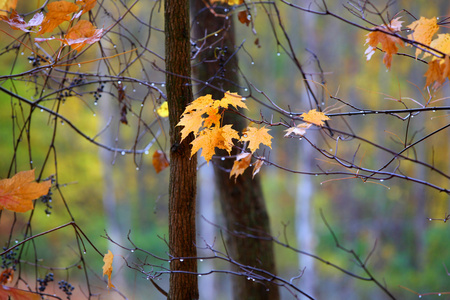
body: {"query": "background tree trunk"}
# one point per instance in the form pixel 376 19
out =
pixel 242 202
pixel 183 168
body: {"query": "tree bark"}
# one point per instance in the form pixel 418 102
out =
pixel 242 202
pixel 183 168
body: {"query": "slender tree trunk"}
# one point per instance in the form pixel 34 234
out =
pixel 242 202
pixel 183 168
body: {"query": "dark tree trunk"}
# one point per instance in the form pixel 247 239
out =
pixel 242 202
pixel 183 168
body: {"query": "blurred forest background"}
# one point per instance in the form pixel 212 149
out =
pixel 120 193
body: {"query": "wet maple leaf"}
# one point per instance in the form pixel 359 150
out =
pixel 211 138
pixel 315 117
pixel 241 163
pixel 424 29
pixel 257 166
pixel 438 71
pixel 256 137
pixel 18 23
pixel 300 129
pixel 7 292
pixel 6 5
pixel 213 117
pixel 107 267
pixel 84 32
pixel 159 161
pixel 388 42
pixel 17 193
pixel 58 12
pixel 192 122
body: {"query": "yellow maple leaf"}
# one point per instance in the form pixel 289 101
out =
pixel 192 122
pixel 231 99
pixel 315 117
pixel 424 29
pixel 441 43
pixel 229 134
pixel 388 42
pixel 240 164
pixel 211 138
pixel 107 267
pixel 7 5
pixel 256 136
pixel 213 117
pixel 163 110
pixel 200 104
pixel 257 166
pixel 17 193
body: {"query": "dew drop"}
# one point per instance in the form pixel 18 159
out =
pixel 42 110
pixel 199 275
pixel 31 161
pixel 226 18
pixel 153 84
pixel 94 115
pixel 163 84
pixel 84 252
pixel 95 103
pixel 248 278
pixel 137 168
pixel 331 150
pixel 430 219
pixel 134 90
pixel 48 215
pixel 123 153
pixel 420 296
pixel 321 183
pixel 437 18
pixel 115 46
pixel 253 62
pixel 181 260
pixel 278 53
pixel 79 65
pixel 132 250
pixel 434 110
pixel 62 123
pixel 226 10
pixel 146 152
pixel 222 158
pixel 201 259
pixel 30 61
pixel 243 99
pixel 215 34
pixel 142 104
pixel 16 241
pixel 246 89
pixel 316 174
pixel 376 112
pixel 439 294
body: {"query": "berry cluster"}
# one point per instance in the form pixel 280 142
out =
pixel 66 288
pixel 9 259
pixel 98 92
pixel 47 199
pixel 44 282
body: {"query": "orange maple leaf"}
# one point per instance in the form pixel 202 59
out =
pixel 424 29
pixel 441 43
pixel 6 5
pixel 17 193
pixel 192 122
pixel 256 136
pixel 240 164
pixel 388 42
pixel 213 117
pixel 7 292
pixel 86 5
pixel 315 117
pixel 58 12
pixel 18 23
pixel 107 267
pixel 81 34
pixel 159 161
pixel 211 138
pixel 258 164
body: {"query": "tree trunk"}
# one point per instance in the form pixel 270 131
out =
pixel 183 168
pixel 242 202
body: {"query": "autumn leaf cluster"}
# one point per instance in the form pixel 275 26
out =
pixel 421 33
pixel 80 32
pixel 203 119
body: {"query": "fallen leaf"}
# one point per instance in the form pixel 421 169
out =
pixel 388 42
pixel 107 267
pixel 7 5
pixel 256 136
pixel 300 129
pixel 160 161
pixel 240 164
pixel 7 292
pixel 58 12
pixel 83 33
pixel 424 29
pixel 257 166
pixel 18 23
pixel 163 110
pixel 315 117
pixel 17 193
